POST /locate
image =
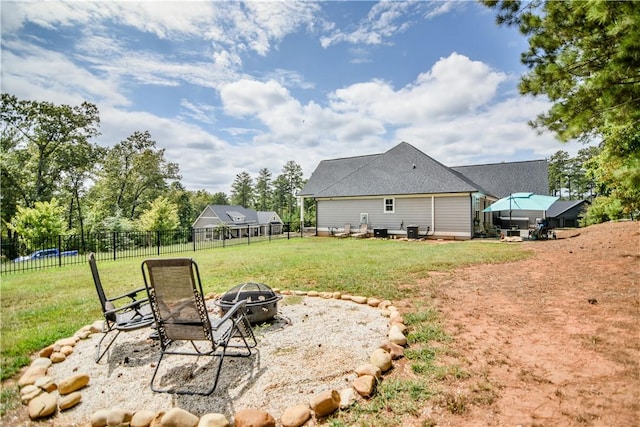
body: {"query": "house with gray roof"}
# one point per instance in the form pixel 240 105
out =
pixel 233 221
pixel 404 187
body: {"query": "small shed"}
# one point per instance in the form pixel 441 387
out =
pixel 566 213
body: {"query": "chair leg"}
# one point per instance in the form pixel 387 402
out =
pixel 100 355
pixel 242 331
pixel 245 331
pixel 206 392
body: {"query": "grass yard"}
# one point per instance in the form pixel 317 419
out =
pixel 39 307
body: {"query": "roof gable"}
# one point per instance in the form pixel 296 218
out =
pixel 402 170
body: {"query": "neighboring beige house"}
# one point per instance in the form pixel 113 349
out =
pixel 234 221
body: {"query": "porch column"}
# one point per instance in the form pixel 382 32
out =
pixel 301 199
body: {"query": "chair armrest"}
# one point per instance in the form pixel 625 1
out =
pixel 240 305
pixel 132 305
pixel 132 294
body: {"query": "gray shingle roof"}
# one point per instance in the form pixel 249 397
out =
pixel 226 213
pixel 402 170
pixel 502 179
pixel 561 206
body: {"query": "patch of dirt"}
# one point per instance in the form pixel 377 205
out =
pixel 551 340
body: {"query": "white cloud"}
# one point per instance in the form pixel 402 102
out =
pixel 387 19
pixel 34 73
pixel 454 85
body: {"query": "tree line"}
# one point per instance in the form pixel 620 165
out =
pixel 55 180
pixel 583 57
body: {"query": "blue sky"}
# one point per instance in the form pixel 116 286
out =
pixel 227 87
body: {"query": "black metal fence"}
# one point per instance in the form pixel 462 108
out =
pixel 22 255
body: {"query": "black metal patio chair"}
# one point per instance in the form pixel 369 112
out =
pixel 126 312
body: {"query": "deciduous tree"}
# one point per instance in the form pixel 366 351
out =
pixel 134 172
pixel 42 144
pixel 37 224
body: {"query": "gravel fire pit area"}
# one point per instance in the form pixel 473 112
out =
pixel 312 345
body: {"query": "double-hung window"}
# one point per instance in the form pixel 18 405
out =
pixel 389 205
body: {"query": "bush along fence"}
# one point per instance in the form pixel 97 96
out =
pixel 21 255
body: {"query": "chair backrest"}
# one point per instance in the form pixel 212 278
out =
pixel 96 281
pixel 176 298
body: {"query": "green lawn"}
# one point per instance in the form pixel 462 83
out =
pixel 39 307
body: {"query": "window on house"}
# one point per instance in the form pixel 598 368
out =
pixel 389 205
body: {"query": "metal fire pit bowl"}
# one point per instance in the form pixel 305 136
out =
pixel 262 301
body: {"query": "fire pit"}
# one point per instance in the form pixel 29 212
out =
pixel 262 301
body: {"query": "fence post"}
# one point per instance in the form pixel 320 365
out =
pixel 158 241
pixel 59 250
pixel 270 231
pixel 288 230
pixel 113 244
pixel 193 237
pixel 248 234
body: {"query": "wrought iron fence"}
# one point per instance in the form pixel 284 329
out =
pixel 22 255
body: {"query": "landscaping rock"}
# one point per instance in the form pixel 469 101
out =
pixel 119 417
pixel 176 417
pixel 157 420
pixel 369 369
pixel 359 299
pixel 46 383
pixel 42 406
pixel 345 297
pixel 396 336
pixel 313 294
pixel 142 418
pixel 66 342
pixel 46 352
pixel 365 385
pixel 37 369
pixel 29 392
pixel 347 397
pixel 66 350
pixel 325 403
pixel 373 302
pixel 99 418
pixel 253 418
pixel 395 317
pixel 213 420
pixel 73 383
pixel 70 400
pixel 97 327
pixel 295 416
pixel 396 351
pixel 384 304
pixel 57 357
pixel 381 359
